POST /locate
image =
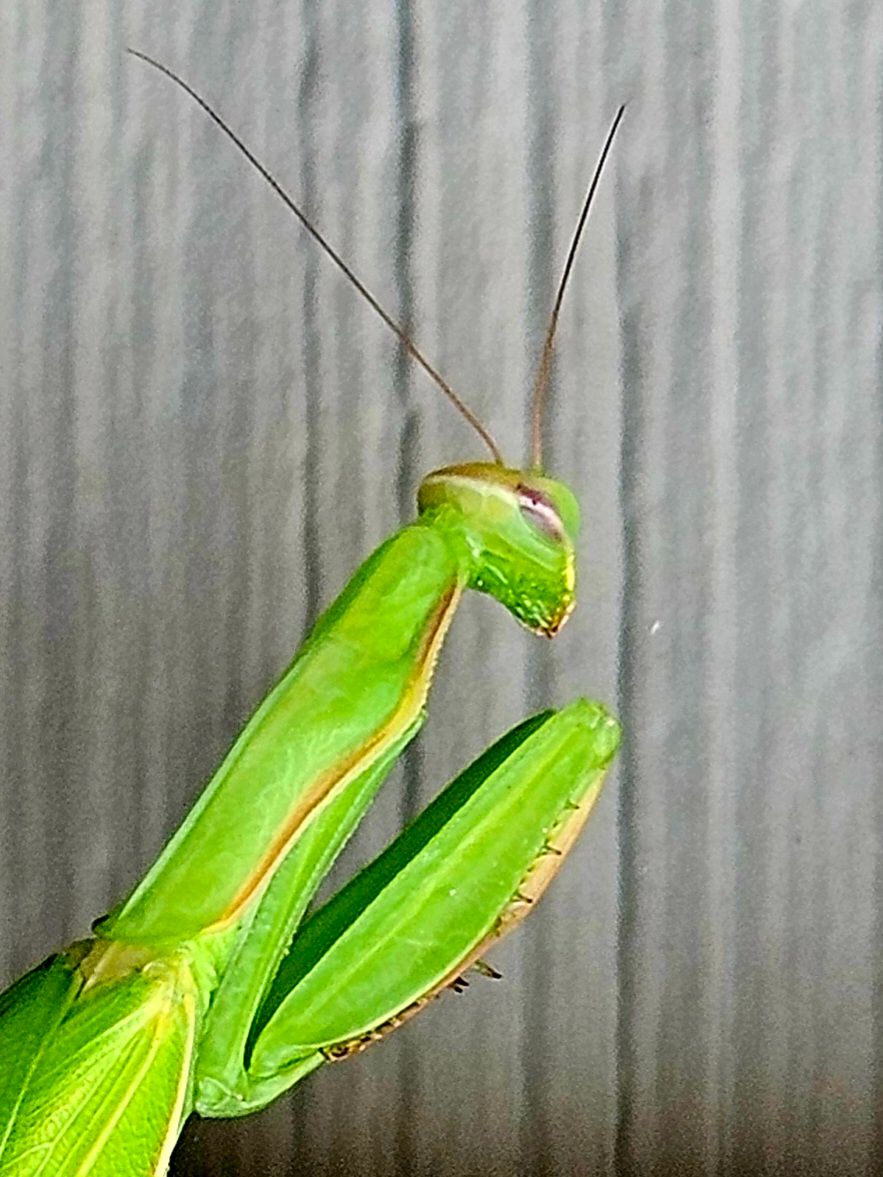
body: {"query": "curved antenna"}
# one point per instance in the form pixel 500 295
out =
pixel 398 331
pixel 541 384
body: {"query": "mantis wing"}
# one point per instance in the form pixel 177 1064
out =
pixel 99 1084
pixel 30 1012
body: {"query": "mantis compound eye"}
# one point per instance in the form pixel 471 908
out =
pixel 539 510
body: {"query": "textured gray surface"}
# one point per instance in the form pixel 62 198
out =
pixel 202 432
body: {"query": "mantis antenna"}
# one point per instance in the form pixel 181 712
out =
pixel 289 203
pixel 541 384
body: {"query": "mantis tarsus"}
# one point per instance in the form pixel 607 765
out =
pixel 208 990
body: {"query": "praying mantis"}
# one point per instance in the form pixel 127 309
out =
pixel 211 989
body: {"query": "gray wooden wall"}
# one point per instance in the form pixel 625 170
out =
pixel 203 431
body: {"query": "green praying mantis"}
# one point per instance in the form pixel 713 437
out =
pixel 211 989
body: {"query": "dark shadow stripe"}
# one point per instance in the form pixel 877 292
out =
pixel 630 448
pixel 409 1100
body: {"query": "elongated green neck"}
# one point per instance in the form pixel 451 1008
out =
pixel 356 689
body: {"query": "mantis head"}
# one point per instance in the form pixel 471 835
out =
pixel 520 529
pixel 519 526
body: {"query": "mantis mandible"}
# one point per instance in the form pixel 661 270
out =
pixel 210 988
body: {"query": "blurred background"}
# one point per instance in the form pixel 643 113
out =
pixel 203 431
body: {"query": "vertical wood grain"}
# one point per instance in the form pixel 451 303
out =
pixel 202 432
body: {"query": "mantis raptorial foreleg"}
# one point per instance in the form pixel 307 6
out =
pixel 208 989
